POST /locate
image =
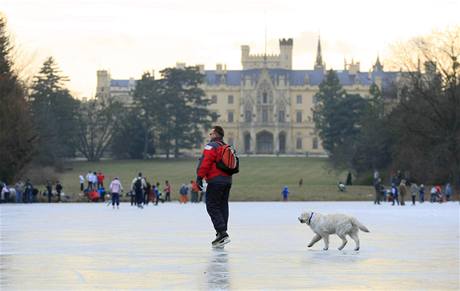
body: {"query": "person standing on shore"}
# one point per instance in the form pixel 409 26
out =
pixel 285 193
pixel 58 190
pixel 82 182
pixel 403 192
pixel 413 192
pixel 138 185
pixel 421 193
pixel 49 190
pixel 167 191
pixel 116 188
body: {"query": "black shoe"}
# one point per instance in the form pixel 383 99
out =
pixel 222 238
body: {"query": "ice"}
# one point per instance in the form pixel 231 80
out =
pixel 92 246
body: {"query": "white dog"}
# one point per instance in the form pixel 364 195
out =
pixel 340 224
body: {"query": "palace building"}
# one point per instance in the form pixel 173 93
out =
pixel 266 107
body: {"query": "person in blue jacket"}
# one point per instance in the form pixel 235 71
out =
pixel 421 193
pixel 285 193
pixel 394 194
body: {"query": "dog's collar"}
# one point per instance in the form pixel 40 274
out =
pixel 309 220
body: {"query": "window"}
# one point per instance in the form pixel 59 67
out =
pixel 248 116
pixel 214 116
pixel 298 117
pixel 230 116
pixel 214 99
pixel 315 99
pixel 230 99
pixel 299 143
pixel 264 115
pixel 281 117
pixel 264 98
pixel 299 99
pixel 315 143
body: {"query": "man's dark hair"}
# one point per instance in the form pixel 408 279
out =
pixel 219 130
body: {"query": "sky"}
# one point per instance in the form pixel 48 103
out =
pixel 129 37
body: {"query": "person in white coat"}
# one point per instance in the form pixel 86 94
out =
pixel 82 182
pixel 115 188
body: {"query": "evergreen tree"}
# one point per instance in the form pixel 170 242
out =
pixel 373 143
pixel 328 97
pixel 173 110
pixel 188 111
pixel 148 116
pixel 338 119
pixel 17 136
pixel 376 102
pixel 54 112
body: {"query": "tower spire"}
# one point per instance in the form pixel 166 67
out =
pixel 378 66
pixel 319 64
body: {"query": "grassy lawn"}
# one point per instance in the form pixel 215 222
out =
pixel 260 178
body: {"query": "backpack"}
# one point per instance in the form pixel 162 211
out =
pixel 227 159
pixel 138 184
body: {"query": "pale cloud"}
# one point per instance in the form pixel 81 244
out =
pixel 131 36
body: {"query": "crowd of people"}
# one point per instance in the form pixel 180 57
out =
pixel 93 188
pixel 26 192
pixel 400 188
pixel 141 191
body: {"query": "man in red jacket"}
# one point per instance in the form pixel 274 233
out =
pixel 218 189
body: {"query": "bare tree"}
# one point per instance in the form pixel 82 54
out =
pixel 96 124
pixel 427 120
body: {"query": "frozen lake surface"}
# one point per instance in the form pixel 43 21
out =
pixel 92 246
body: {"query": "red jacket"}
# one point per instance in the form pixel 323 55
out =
pixel 207 168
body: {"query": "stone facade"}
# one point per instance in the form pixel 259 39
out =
pixel 266 108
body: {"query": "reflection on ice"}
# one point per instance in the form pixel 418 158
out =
pixel 217 272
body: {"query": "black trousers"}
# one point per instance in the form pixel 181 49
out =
pixel 115 199
pixel 377 197
pixel 139 197
pixel 217 204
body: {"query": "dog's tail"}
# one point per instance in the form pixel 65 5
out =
pixel 360 225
